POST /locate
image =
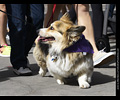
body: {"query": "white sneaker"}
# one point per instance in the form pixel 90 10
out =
pixel 23 71
pixel 103 57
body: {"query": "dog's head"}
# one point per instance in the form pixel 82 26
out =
pixel 61 33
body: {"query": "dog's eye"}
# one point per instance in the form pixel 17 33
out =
pixel 51 28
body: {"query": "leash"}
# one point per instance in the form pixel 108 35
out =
pixel 15 17
pixel 51 18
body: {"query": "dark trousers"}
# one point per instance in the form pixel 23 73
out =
pixel 23 34
pixel 98 18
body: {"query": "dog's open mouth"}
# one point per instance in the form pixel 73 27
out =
pixel 45 39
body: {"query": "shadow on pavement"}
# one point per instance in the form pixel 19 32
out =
pixel 97 78
pixel 6 73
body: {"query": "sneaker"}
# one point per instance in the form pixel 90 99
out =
pixel 5 50
pixel 23 71
pixel 102 58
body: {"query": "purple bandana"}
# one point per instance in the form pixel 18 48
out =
pixel 82 45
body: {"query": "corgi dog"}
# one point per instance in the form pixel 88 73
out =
pixel 63 50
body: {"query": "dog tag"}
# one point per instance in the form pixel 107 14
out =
pixel 54 58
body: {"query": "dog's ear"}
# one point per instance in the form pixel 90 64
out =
pixel 66 18
pixel 74 33
pixel 76 30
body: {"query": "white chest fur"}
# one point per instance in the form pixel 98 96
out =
pixel 60 61
pixel 63 66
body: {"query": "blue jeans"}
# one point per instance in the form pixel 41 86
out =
pixel 22 34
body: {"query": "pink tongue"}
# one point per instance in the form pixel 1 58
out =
pixel 45 39
pixel 49 39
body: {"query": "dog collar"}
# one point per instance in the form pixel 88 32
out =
pixel 82 45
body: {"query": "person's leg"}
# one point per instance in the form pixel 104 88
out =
pixel 82 11
pixel 17 38
pixel 99 57
pixel 112 6
pixel 36 14
pixel 72 14
pixel 3 25
pixel 49 13
pixel 4 48
pixel 17 34
pixel 98 19
pixel 65 7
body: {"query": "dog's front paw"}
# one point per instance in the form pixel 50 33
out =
pixel 60 82
pixel 84 85
pixel 42 72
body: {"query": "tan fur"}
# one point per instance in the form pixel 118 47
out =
pixel 61 64
pixel 40 59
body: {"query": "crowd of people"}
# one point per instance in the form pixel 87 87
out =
pixel 23 31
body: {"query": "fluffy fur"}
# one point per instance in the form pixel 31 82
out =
pixel 49 53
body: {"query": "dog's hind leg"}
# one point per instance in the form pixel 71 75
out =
pixel 89 75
